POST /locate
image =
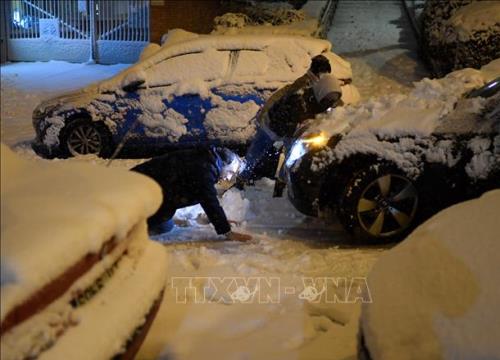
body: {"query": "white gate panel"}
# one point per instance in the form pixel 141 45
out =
pixel 106 31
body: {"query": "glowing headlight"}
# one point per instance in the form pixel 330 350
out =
pixel 302 146
pixel 316 141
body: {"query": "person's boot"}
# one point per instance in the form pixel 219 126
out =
pixel 161 228
pixel 279 187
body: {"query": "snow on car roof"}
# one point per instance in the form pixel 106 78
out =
pixel 55 213
pixel 297 49
pixel 434 294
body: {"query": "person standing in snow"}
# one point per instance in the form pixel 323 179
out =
pixel 311 94
pixel 188 177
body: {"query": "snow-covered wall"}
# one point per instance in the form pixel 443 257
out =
pixel 74 50
pixel 35 49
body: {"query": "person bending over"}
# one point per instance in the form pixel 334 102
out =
pixel 188 177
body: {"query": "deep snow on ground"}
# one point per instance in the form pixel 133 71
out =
pixel 287 245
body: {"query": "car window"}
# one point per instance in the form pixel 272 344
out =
pixel 250 64
pixel 205 66
pixel 287 61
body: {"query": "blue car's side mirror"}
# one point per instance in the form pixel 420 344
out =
pixel 133 85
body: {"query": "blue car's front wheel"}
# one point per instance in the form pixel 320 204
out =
pixel 84 137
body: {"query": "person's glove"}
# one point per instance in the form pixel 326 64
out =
pixel 236 236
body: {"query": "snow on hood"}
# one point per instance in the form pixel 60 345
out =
pixel 417 113
pixel 434 295
pixel 54 213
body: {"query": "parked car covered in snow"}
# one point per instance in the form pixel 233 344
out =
pixel 433 294
pixel 80 277
pixel 384 165
pixel 194 89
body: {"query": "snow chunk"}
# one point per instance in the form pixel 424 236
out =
pixel 55 127
pixel 231 120
pixel 482 161
pixel 160 121
pixel 433 295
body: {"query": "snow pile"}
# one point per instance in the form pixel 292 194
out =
pixel 409 119
pixel 160 121
pixel 434 294
pixel 266 19
pixel 306 27
pixel 45 205
pixel 236 207
pixel 231 120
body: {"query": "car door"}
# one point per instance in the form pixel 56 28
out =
pixel 171 108
pixel 238 98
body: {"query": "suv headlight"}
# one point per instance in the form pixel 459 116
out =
pixel 302 146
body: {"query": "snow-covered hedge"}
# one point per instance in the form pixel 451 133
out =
pixel 461 33
pixel 265 18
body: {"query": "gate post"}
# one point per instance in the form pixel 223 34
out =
pixel 5 21
pixel 93 32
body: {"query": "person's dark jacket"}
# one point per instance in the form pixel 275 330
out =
pixel 187 177
pixel 293 104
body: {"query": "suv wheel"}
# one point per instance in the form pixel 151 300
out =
pixel 379 203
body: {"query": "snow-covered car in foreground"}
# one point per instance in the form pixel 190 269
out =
pixel 435 294
pixel 384 165
pixel 194 89
pixel 80 278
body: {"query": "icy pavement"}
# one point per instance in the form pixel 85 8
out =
pixel 287 246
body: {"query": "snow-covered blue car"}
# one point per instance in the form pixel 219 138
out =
pixel 194 89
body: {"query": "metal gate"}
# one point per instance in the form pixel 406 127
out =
pixel 104 31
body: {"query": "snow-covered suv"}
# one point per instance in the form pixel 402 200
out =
pixel 384 165
pixel 194 89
